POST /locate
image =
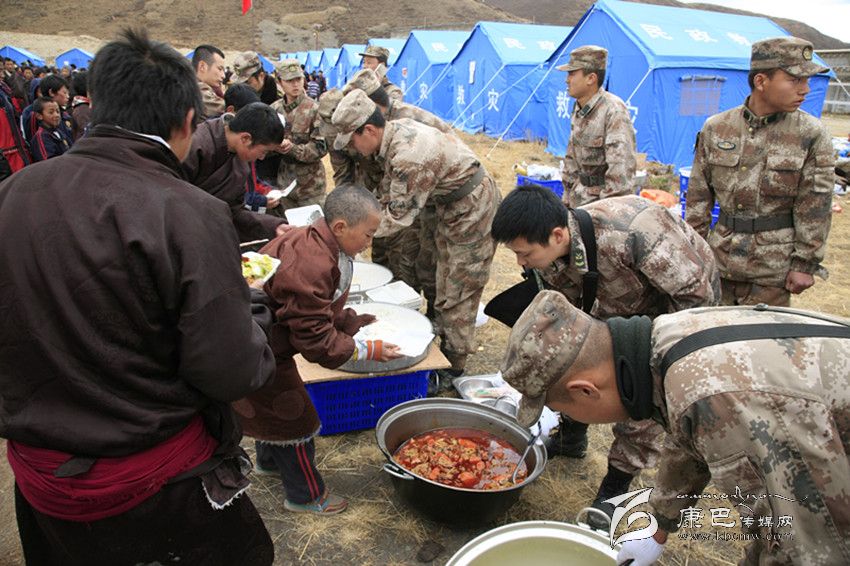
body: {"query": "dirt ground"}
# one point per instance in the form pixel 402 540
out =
pixel 379 529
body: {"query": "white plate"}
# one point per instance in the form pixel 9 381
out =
pixel 275 263
pixel 303 215
pixel 368 276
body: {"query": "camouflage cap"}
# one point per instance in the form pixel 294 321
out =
pixel 288 69
pixel 376 51
pixel 351 113
pixel 364 79
pixel 328 102
pixel 588 57
pixel 245 65
pixel 543 344
pixel 791 54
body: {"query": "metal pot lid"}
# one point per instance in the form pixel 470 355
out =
pixel 367 276
pixel 542 543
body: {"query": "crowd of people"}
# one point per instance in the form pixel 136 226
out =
pixel 133 350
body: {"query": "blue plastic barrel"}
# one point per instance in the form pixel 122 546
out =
pixel 556 186
pixel 684 178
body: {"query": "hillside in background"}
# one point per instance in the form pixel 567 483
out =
pixel 564 13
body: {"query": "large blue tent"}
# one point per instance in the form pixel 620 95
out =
pixel 347 64
pixel 673 67
pixel 491 76
pixel 74 56
pixel 20 55
pixel 327 64
pixel 393 45
pixel 268 66
pixel 313 58
pixel 423 61
pixel 301 56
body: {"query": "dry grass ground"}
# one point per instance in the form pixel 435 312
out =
pixel 379 529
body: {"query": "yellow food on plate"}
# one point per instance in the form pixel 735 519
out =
pixel 257 267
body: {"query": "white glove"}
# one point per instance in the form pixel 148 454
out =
pixel 642 552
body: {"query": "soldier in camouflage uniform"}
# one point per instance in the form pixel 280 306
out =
pixel 770 166
pixel 764 419
pixel 425 166
pixel 375 58
pixel 649 263
pixel 600 160
pixel 208 62
pixel 303 145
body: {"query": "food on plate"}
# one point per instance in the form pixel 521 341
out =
pixel 462 457
pixel 257 267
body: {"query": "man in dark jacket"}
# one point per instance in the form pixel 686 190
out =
pixel 125 332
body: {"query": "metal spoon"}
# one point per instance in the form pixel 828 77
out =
pixel 531 443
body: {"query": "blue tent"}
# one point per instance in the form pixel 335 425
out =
pixel 492 79
pixel 347 64
pixel 268 66
pixel 327 64
pixel 673 67
pixel 74 56
pixel 190 54
pixel 301 56
pixel 20 55
pixel 423 61
pixel 393 45
pixel 313 59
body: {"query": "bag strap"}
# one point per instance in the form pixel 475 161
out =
pixel 590 280
pixel 741 332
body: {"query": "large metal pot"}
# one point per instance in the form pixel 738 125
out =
pixel 441 502
pixel 541 543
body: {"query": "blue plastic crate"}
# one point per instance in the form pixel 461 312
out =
pixel 684 178
pixel 356 404
pixel 555 186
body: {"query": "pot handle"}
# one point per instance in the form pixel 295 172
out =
pixel 397 472
pixel 591 511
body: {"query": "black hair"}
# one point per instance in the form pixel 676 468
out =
pixel 51 84
pixel 380 97
pixel 9 59
pixel 376 119
pixel 350 202
pixel 40 103
pixel 143 86
pixel 530 212
pixel 239 96
pixel 260 121
pixel 205 53
pixel 600 76
pixel 751 77
pixel 80 83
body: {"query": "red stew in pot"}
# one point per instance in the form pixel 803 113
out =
pixel 462 457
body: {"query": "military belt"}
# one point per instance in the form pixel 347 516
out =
pixel 591 180
pixel 464 189
pixel 753 225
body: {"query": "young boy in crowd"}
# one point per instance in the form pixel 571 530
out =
pixel 56 88
pixel 308 295
pixel 49 139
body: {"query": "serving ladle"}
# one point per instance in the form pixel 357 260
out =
pixel 534 439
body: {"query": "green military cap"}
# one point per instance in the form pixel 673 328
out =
pixel 288 69
pixel 376 51
pixel 365 79
pixel 791 54
pixel 544 343
pixel 352 112
pixel 587 57
pixel 245 65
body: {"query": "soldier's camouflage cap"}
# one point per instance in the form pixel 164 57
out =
pixel 288 69
pixel 376 51
pixel 351 113
pixel 587 57
pixel 365 79
pixel 543 344
pixel 327 104
pixel 791 54
pixel 245 65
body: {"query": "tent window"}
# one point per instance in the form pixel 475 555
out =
pixel 700 95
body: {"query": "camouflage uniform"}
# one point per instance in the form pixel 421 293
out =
pixel 600 160
pixel 766 417
pixel 763 168
pixel 649 262
pixel 303 163
pixel 424 166
pixel 393 90
pixel 213 103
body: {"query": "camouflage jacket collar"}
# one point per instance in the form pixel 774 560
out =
pixel 573 264
pixel 389 131
pixel 294 104
pixel 581 112
pixel 759 121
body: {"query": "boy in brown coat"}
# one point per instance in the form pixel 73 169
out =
pixel 308 295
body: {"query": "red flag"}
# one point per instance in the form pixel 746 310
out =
pixel 247 5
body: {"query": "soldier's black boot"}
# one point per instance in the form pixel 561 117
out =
pixel 570 439
pixel 614 483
